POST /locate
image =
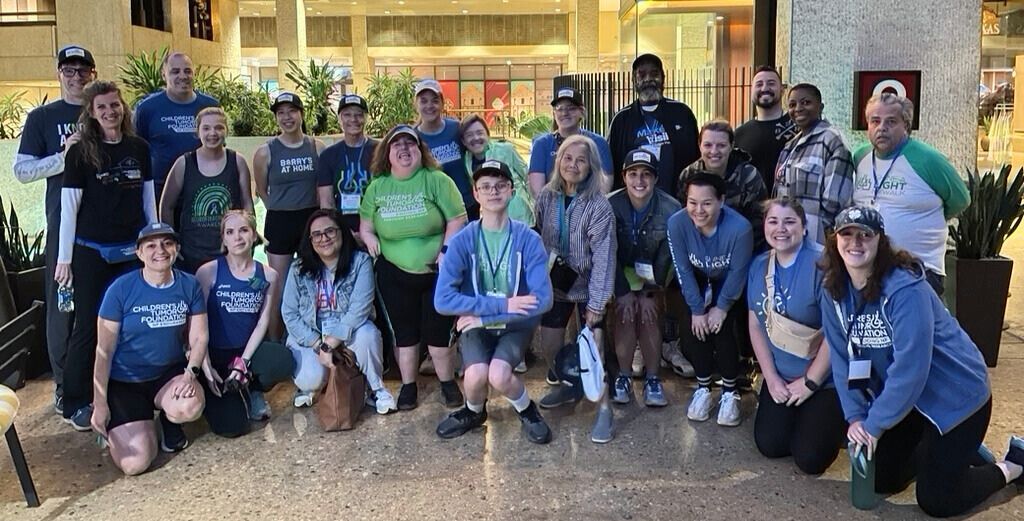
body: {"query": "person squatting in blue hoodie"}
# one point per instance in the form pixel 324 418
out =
pixel 494 279
pixel 910 380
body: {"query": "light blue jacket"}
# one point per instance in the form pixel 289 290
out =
pixel 354 306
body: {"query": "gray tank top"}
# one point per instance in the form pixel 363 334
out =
pixel 291 176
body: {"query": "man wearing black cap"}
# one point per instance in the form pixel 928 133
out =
pixel 664 127
pixel 568 109
pixel 344 167
pixel 49 131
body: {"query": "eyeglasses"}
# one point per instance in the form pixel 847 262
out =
pixel 566 110
pixel 863 235
pixel 326 233
pixel 71 72
pixel 496 188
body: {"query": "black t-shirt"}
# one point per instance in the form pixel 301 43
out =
pixel 764 140
pixel 111 211
pixel 347 170
pixel 46 130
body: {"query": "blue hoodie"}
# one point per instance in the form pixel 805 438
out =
pixel 459 295
pixel 719 262
pixel 920 357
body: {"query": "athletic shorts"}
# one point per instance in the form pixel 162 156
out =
pixel 480 345
pixel 283 230
pixel 136 401
pixel 409 302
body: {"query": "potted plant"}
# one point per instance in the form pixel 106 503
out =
pixel 23 257
pixel 978 281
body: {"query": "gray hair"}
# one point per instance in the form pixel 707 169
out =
pixel 597 179
pixel 888 98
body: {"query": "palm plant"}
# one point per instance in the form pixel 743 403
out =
pixel 995 212
pixel 536 125
pixel 11 113
pixel 141 74
pixel 389 99
pixel 19 250
pixel 316 84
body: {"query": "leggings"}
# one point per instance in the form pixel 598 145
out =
pixel 717 348
pixel 812 433
pixel 951 479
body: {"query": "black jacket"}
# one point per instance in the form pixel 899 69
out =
pixel 681 127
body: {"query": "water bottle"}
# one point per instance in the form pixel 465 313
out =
pixel 862 479
pixel 65 298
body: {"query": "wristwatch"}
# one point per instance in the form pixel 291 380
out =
pixel 444 248
pixel 194 369
pixel 811 384
pixel 325 348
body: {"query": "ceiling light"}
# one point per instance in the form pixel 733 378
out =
pixel 309 8
pixel 401 2
pixel 387 11
pixel 319 12
pixel 557 10
pixel 465 11
pixel 719 18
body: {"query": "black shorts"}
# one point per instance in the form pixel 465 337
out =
pixel 409 302
pixel 283 230
pixel 558 316
pixel 136 401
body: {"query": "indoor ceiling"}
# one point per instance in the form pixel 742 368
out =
pixel 419 7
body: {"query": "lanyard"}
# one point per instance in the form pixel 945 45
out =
pixel 563 225
pixel 849 325
pixel 639 217
pixel 355 185
pixel 494 267
pixel 874 173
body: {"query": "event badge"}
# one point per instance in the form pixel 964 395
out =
pixel 330 326
pixel 644 270
pixel 860 374
pixel 350 203
pixel 501 295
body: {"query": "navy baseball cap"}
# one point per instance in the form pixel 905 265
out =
pixel 157 229
pixel 74 52
pixel 863 217
pixel 286 97
pixel 641 157
pixel 353 100
pixel 495 168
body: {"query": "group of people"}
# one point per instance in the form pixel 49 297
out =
pixel 770 241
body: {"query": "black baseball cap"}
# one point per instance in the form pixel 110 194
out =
pixel 863 217
pixel 157 229
pixel 493 167
pixel 570 94
pixel 286 97
pixel 74 52
pixel 402 130
pixel 353 100
pixel 647 58
pixel 641 157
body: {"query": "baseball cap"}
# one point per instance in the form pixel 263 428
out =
pixel 402 130
pixel 641 157
pixel 156 229
pixel 352 100
pixel 286 97
pixel 74 52
pixel 863 217
pixel 647 58
pixel 568 93
pixel 493 167
pixel 428 84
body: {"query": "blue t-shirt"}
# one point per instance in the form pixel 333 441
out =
pixel 46 130
pixel 545 148
pixel 169 127
pixel 447 150
pixel 152 339
pixel 234 306
pixel 711 270
pixel 797 290
pixel 346 169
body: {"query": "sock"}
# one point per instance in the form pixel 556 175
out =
pixel 728 385
pixel 521 403
pixel 476 407
pixel 625 374
pixel 704 381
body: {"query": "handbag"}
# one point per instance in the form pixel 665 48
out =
pixel 784 332
pixel 591 364
pixel 342 396
pixel 563 277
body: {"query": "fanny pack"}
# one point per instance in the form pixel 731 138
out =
pixel 563 277
pixel 786 333
pixel 112 253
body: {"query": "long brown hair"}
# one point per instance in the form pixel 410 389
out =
pixel 92 133
pixel 381 162
pixel 887 259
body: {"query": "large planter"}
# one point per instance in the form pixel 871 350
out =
pixel 27 287
pixel 976 292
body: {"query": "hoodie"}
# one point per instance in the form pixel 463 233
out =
pixel 920 357
pixel 744 190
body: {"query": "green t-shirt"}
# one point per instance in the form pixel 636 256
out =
pixel 409 216
pixel 493 253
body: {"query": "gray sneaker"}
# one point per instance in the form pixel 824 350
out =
pixel 602 430
pixel 622 392
pixel 654 393
pixel 561 395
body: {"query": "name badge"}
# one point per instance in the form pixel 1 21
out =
pixel 860 374
pixel 350 203
pixel 644 270
pixel 329 326
pixel 497 294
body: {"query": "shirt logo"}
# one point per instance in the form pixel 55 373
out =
pixel 641 156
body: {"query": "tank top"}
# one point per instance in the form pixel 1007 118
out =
pixel 234 306
pixel 291 176
pixel 204 200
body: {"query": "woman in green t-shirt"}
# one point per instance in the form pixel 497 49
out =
pixel 407 215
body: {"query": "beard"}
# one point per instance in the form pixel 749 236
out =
pixel 767 104
pixel 649 92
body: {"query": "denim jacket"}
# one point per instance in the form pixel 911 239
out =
pixel 652 237
pixel 353 305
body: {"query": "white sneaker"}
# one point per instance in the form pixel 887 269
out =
pixel 303 399
pixel 521 367
pixel 700 405
pixel 729 409
pixel 385 403
pixel 671 355
pixel 638 364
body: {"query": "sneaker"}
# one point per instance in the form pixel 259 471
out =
pixel 602 430
pixel 384 402
pixel 451 396
pixel 173 438
pixel 729 409
pixel 561 395
pixel 675 359
pixel 427 367
pixel 81 421
pixel 1015 454
pixel 259 409
pixel 520 368
pixel 638 364
pixel 622 392
pixel 460 422
pixel 303 399
pixel 408 395
pixel 654 393
pixel 552 378
pixel 700 405
pixel 537 431
pixel 58 401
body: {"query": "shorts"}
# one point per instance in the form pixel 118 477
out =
pixel 283 230
pixel 481 346
pixel 136 401
pixel 409 303
pixel 558 316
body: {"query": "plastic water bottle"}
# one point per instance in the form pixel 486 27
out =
pixel 862 479
pixel 65 298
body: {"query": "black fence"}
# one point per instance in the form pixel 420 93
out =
pixel 710 92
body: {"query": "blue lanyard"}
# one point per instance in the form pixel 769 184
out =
pixel 563 225
pixel 358 185
pixel 491 265
pixel 638 218
pixel 874 172
pixel 859 309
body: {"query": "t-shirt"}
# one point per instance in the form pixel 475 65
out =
pixel 151 339
pixel 545 148
pixel 111 211
pixel 169 127
pixel 764 140
pixel 46 130
pixel 347 170
pixel 797 288
pixel 493 250
pixel 446 148
pixel 653 138
pixel 409 216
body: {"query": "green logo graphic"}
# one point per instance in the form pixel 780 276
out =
pixel 209 204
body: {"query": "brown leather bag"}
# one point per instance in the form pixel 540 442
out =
pixel 342 396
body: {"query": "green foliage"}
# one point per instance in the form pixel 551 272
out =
pixel 389 99
pixel 248 109
pixel 535 126
pixel 11 113
pixel 141 75
pixel 18 250
pixel 316 84
pixel 996 209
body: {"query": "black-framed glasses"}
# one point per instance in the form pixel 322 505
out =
pixel 326 233
pixel 493 188
pixel 71 72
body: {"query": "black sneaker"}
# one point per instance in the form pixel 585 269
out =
pixel 552 378
pixel 58 402
pixel 451 395
pixel 533 425
pixel 408 395
pixel 173 439
pixel 460 422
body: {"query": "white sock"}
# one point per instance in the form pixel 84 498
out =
pixel 1007 473
pixel 520 403
pixel 475 407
